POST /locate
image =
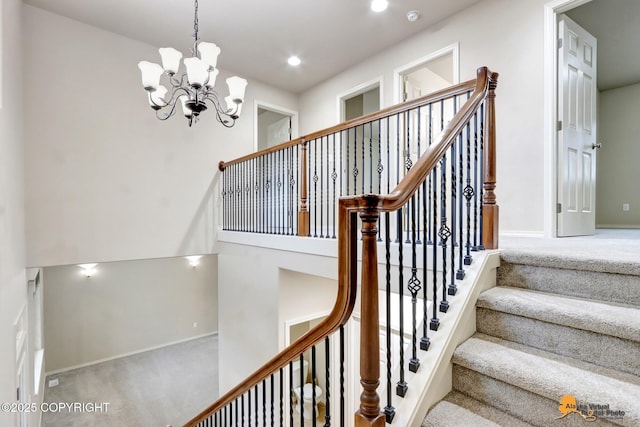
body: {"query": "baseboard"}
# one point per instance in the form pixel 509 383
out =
pixel 618 226
pixel 119 356
pixel 521 233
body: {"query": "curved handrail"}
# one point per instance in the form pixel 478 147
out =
pixel 343 307
pixel 448 92
pixel 348 208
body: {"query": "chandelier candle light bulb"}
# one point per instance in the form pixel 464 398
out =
pixel 194 87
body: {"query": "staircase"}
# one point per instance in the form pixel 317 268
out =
pixel 555 328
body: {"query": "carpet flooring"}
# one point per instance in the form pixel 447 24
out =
pixel 160 387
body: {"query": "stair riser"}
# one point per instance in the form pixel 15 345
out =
pixel 608 287
pixel 602 350
pixel 530 407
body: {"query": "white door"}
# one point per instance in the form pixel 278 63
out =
pixel 279 132
pixel 576 130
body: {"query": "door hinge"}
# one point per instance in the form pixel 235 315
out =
pixel 559 125
pixel 559 208
pixel 559 43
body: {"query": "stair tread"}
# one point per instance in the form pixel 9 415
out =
pixel 521 367
pixel 457 410
pixel 552 256
pixel 604 318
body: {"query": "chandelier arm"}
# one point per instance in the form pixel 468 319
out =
pixel 163 114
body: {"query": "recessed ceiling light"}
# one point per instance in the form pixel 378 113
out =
pixel 413 15
pixel 379 5
pixel 294 61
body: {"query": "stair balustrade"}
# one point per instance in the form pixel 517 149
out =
pixel 418 180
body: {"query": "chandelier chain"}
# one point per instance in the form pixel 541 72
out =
pixel 195 30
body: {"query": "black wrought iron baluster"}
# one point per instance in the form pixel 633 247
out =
pixel 249 407
pixel 408 163
pixel 314 415
pixel 389 410
pixel 444 233
pixel 291 393
pixel 414 287
pixel 264 402
pixel 347 170
pixel 280 167
pixel 281 382
pixel 452 288
pixel 431 213
pixel 321 207
pixel 242 410
pixel 236 206
pixel 370 157
pixel 301 399
pixel 460 273
pixel 362 164
pixel 342 396
pixel 236 417
pixel 379 169
pixel 327 364
pixel 388 139
pixel 398 234
pixel 296 165
pixel 315 187
pixel 481 177
pixel 454 204
pixel 401 386
pixel 256 405
pixel 424 340
pixel 334 175
pixel 468 195
pixel 290 191
pixel 355 170
pixel 216 417
pixel 271 389
pixel 418 131
pixel 267 194
pixel 225 202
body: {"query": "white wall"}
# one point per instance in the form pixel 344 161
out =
pixel 126 307
pixel 618 173
pixel 13 285
pixel 107 180
pixel 250 321
pixel 514 48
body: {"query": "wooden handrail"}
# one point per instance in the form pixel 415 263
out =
pixel 342 309
pixel 458 89
pixel 369 206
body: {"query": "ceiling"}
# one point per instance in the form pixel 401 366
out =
pixel 616 25
pixel 257 36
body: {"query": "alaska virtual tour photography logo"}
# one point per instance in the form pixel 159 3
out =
pixel 588 411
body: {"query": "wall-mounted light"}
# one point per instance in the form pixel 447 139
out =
pixel 194 260
pixel 88 269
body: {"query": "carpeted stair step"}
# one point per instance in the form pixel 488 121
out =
pixel 529 384
pixel 458 410
pixel 603 334
pixel 600 280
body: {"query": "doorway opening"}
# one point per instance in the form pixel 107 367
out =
pixel 428 74
pixel 275 125
pixel 618 89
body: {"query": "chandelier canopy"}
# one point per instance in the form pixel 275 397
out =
pixel 194 87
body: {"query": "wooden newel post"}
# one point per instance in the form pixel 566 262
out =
pixel 489 207
pixel 303 213
pixel 369 413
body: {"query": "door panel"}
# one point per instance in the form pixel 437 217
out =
pixel 577 130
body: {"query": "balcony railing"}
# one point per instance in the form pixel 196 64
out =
pixel 418 180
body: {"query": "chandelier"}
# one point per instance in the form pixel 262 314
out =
pixel 194 87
